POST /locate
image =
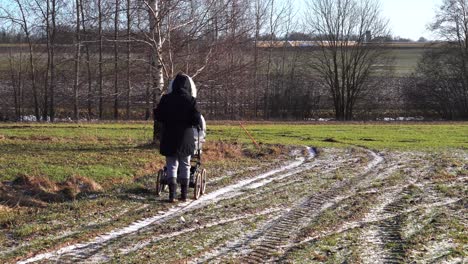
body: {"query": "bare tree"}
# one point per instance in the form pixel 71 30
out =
pixel 88 61
pixel 450 82
pixel 218 41
pixel 276 17
pixel 77 61
pixel 128 82
pixel 116 59
pixel 260 11
pixel 16 84
pixel 155 39
pixel 166 17
pixel 345 59
pixel 101 43
pixel 23 22
pixel 52 9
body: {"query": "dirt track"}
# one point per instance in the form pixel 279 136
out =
pixel 350 205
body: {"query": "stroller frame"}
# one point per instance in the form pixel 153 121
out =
pixel 197 180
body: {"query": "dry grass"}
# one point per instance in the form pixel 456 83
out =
pixel 44 138
pixel 35 184
pixel 443 176
pixel 38 191
pixel 215 151
pixel 84 184
pixel 5 209
pixel 150 168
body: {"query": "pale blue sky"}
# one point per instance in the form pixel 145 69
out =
pixel 409 18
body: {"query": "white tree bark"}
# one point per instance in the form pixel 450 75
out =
pixel 156 56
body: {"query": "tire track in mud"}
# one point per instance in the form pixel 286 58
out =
pixel 277 238
pixel 150 240
pixel 373 221
pixel 390 233
pixel 286 228
pixel 81 251
pixel 269 241
pixel 286 180
pixel 384 241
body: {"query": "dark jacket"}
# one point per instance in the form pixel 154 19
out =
pixel 178 113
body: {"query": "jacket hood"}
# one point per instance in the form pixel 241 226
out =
pixel 183 83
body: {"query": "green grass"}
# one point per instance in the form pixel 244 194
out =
pixel 110 153
pixel 113 152
pixel 428 137
pixel 406 60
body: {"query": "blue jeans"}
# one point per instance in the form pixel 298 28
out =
pixel 178 164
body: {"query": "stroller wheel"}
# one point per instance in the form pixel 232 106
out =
pixel 203 182
pixel 197 187
pixel 159 182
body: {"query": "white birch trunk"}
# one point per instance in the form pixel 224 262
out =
pixel 156 39
pixel 156 62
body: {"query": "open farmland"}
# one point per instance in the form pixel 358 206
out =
pixel 370 193
pixel 406 60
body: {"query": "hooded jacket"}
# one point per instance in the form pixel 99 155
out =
pixel 199 133
pixel 178 113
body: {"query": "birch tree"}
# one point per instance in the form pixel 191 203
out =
pixel 166 17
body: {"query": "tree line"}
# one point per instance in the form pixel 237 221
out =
pixel 97 59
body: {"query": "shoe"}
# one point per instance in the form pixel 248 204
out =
pixel 184 190
pixel 172 190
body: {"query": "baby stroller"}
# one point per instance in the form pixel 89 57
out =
pixel 197 180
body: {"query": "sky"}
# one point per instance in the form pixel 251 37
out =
pixel 409 18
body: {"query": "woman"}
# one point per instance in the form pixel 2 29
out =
pixel 178 113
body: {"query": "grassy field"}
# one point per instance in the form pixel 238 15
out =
pixel 113 153
pixel 430 137
pixel 102 152
pixel 376 191
pixel 406 59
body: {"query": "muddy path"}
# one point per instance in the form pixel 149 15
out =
pixel 350 205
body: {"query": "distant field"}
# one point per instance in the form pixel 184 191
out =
pixel 406 57
pixel 112 153
pixel 406 60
